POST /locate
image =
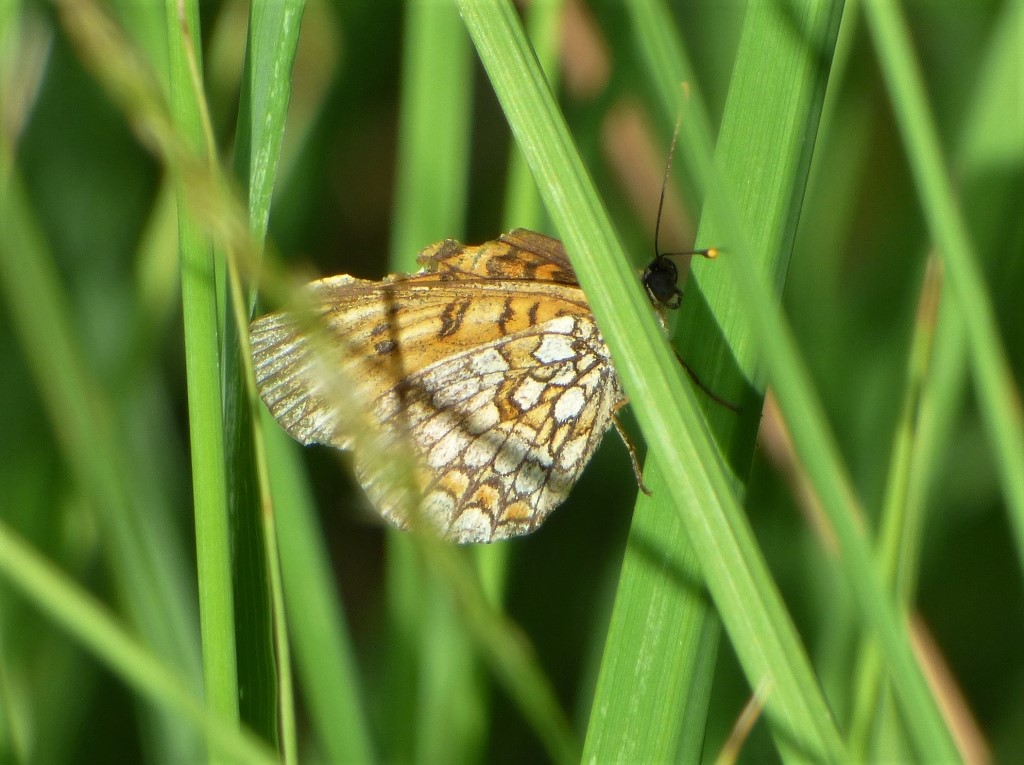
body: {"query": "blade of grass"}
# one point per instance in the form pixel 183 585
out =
pixel 129 83
pixel 997 390
pixel 659 559
pixel 736 574
pixel 146 567
pixel 91 625
pixel 264 662
pixel 202 364
pixel 270 54
pixel 818 453
pixel 900 530
pixel 651 699
pixel 323 648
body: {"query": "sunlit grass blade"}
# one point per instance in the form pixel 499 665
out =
pixel 820 458
pixel 202 323
pixel 676 432
pixel 719 344
pixel 664 634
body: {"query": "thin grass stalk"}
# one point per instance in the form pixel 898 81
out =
pixel 273 40
pixel 202 358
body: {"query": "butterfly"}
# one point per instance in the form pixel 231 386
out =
pixel 486 368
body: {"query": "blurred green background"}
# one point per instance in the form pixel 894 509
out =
pixel 99 199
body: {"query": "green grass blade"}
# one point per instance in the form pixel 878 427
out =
pixel 147 572
pixel 202 361
pixel 651 699
pixel 273 40
pixel 818 453
pixel 322 647
pixel 998 392
pixel 433 132
pixel 89 623
pixel 775 177
pixel 902 521
pixel 736 574
pixel 264 663
pixel 523 206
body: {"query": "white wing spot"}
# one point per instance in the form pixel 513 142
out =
pixel 554 348
pixel 447 450
pixel 488 362
pixel 474 525
pixel 528 394
pixel 569 404
pixel 482 450
pixel 572 451
pixel 563 325
pixel 483 419
pixel 530 478
pixel 509 457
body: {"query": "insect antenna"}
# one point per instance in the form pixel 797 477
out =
pixel 661 276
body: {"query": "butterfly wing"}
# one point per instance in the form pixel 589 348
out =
pixel 497 379
pixel 503 432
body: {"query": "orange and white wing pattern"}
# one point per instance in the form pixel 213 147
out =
pixel 487 365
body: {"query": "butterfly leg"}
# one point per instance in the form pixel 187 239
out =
pixel 707 391
pixel 633 460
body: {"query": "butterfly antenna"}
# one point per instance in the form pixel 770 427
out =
pixel 664 185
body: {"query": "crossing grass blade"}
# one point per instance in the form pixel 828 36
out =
pixel 678 436
pixel 663 634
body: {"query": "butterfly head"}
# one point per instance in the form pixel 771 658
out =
pixel 661 277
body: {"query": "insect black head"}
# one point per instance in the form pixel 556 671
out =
pixel 660 280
